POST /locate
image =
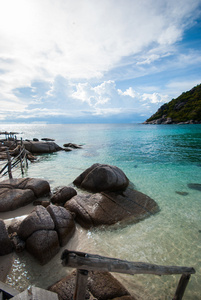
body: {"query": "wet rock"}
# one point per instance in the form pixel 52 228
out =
pixel 101 286
pixel 41 147
pixel 64 223
pixel 47 139
pixel 74 146
pixel 101 177
pixel 38 219
pixel 195 186
pixel 108 208
pixel 43 245
pixel 5 243
pixel 63 194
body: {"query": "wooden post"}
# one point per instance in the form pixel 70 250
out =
pixel 9 164
pixel 21 165
pixel 181 286
pixel 81 284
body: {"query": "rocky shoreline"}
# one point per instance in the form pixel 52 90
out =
pixel 102 196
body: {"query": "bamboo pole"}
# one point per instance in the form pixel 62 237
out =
pixel 88 262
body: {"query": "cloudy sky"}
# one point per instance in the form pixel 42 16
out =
pixel 73 61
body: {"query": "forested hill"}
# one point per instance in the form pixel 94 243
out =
pixel 184 109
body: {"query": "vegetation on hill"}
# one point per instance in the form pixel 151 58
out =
pixel 186 108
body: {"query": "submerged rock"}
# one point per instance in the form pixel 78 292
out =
pixel 195 186
pixel 101 177
pixel 181 193
pixel 108 208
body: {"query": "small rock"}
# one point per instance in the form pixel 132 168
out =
pixel 63 194
pixel 181 193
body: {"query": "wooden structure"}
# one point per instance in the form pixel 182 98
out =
pixel 7 292
pixel 85 262
pixel 19 159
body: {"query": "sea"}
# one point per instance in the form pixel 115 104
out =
pixel 162 161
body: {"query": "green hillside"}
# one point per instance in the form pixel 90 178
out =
pixel 186 108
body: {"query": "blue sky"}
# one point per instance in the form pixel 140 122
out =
pixel 91 61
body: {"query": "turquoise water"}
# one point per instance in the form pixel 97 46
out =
pixel 160 161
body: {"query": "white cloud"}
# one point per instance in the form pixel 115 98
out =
pixel 155 98
pixel 83 39
pixel 129 92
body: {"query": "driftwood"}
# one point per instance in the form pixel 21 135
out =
pixel 85 262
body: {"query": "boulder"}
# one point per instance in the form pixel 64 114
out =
pixel 101 177
pixel 100 286
pixel 108 208
pixel 5 243
pixel 63 194
pixel 38 219
pixel 64 223
pixel 15 193
pixel 40 187
pixel 11 199
pixel 43 245
pixel 41 147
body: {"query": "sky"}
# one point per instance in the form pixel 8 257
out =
pixel 92 61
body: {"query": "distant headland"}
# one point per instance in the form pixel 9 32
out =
pixel 185 109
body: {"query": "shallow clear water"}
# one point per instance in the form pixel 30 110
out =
pixel 160 161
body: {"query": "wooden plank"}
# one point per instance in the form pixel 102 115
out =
pixel 181 286
pixel 81 285
pixel 36 293
pixel 9 165
pixel 8 290
pixel 87 261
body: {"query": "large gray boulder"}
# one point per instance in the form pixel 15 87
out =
pixel 15 193
pixel 101 177
pixel 43 245
pixel 41 147
pixel 39 219
pixel 108 208
pixel 5 243
pixel 64 223
pixel 100 286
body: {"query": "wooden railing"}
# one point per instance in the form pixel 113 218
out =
pixel 85 262
pixel 20 159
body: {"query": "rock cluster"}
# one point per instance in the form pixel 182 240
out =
pixel 44 231
pixel 100 286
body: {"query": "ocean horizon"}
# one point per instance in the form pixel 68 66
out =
pixel 161 161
